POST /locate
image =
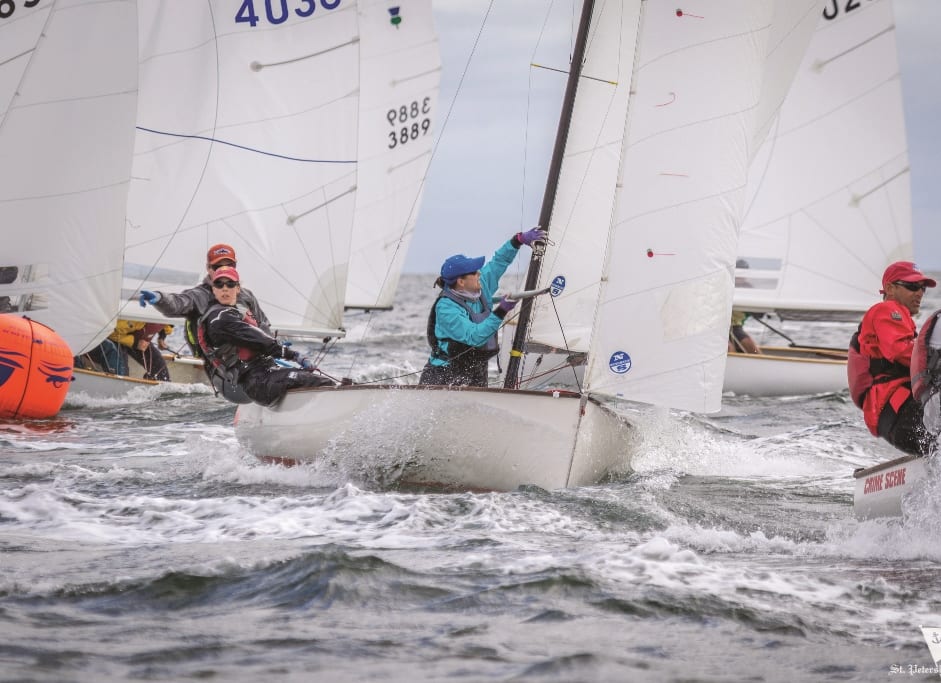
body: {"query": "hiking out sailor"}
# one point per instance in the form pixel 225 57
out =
pixel 193 303
pixel 462 325
pixel 880 361
pixel 242 356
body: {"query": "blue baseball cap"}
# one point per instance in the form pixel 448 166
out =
pixel 458 265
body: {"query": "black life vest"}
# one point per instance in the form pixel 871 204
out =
pixel 225 363
pixel 926 362
pixel 862 371
pixel 458 351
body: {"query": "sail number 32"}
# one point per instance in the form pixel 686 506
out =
pixel 834 7
pixel 277 11
pixel 409 122
pixel 8 7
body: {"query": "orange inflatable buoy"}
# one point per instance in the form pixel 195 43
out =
pixel 35 369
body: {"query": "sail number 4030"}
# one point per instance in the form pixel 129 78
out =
pixel 409 122
pixel 278 11
pixel 8 7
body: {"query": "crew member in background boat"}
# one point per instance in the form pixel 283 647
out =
pixel 880 360
pixel 739 339
pixel 462 326
pixel 108 357
pixel 193 303
pixel 240 353
pixel 136 340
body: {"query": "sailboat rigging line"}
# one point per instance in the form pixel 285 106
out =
pixel 794 345
pixel 819 65
pixel 529 95
pixel 248 149
pixel 257 66
pixel 548 199
pixel 775 330
pixel 563 71
pixel 15 57
pixel 565 343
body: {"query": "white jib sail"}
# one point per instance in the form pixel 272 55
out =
pixel 68 98
pixel 707 80
pixel 829 199
pixel 584 201
pixel 247 136
pixel 400 74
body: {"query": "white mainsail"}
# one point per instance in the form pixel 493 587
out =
pixel 829 197
pixel 247 135
pixel 705 83
pixel 68 99
pixel 400 71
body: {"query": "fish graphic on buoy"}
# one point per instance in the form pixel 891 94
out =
pixel 35 369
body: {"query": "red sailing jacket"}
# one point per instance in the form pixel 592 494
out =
pixel 887 333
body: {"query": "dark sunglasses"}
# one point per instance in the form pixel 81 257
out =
pixel 912 286
pixel 228 284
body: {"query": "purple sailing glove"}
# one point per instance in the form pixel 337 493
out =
pixel 308 364
pixel 505 306
pixel 530 236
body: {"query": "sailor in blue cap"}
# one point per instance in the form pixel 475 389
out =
pixel 462 326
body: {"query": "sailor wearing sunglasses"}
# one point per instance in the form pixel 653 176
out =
pixel 880 359
pixel 241 355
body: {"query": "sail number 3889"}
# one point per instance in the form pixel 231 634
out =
pixel 8 7
pixel 409 122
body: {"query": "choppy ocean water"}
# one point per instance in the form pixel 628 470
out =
pixel 138 541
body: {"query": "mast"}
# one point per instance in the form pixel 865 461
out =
pixel 548 199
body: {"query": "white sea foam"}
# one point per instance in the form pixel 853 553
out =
pixel 139 394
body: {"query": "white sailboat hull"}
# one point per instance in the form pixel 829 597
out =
pixel 183 369
pixel 785 371
pixel 457 438
pixel 104 385
pixel 880 489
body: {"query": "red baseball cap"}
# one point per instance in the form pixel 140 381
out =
pixel 220 252
pixel 226 272
pixel 905 271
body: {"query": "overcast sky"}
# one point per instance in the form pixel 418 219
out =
pixel 495 138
